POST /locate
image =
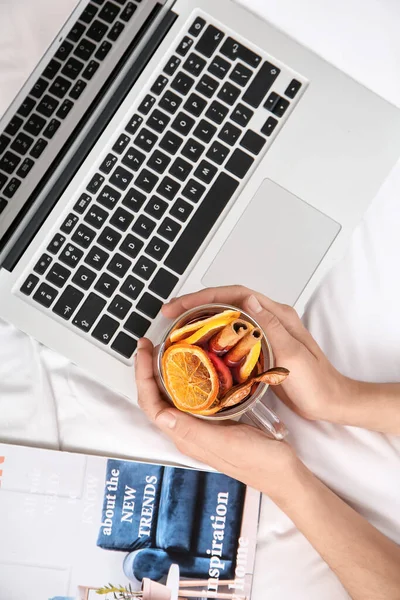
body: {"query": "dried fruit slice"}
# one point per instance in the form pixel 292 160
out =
pixel 223 372
pixel 243 347
pixel 221 319
pixel 238 393
pixel 245 369
pixel 230 335
pixel 190 377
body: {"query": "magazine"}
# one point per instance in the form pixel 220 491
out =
pixel 82 527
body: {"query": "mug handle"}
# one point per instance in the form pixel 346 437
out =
pixel 265 418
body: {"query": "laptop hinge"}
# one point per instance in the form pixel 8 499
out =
pixel 85 144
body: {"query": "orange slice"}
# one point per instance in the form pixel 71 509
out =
pixel 190 377
pixel 220 320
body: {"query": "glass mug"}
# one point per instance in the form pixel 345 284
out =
pixel 259 414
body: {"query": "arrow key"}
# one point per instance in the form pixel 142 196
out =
pixel 105 329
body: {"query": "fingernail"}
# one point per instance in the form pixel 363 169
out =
pixel 166 420
pixel 253 304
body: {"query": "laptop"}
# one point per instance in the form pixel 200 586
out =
pixel 163 146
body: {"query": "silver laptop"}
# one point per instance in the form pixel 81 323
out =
pixel 160 147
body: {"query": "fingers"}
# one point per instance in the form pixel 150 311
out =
pixel 232 294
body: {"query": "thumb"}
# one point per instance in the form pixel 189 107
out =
pixel 279 337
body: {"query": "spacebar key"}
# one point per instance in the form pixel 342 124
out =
pixel 201 223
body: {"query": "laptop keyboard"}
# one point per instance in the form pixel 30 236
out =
pixel 57 90
pixel 125 241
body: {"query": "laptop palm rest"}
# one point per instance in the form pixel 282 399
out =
pixel 275 247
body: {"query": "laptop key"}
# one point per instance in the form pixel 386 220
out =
pixel 68 302
pixel 134 200
pixel 280 107
pixel 218 153
pixel 193 150
pixel 195 105
pixel 97 31
pixel 292 88
pixel 241 75
pixel 51 128
pixel 168 188
pixel 252 142
pixel 219 67
pixel 201 223
pixel 29 284
pixel 146 180
pixel 3 181
pixel 106 285
pixel 13 126
pixel 217 112
pixel 60 87
pixel 182 123
pixel 229 93
pixel 52 69
pixel 108 163
pixel 261 84
pixel 205 131
pixel 149 305
pixel 184 46
pixel 233 50
pixel 56 243
pixel 95 183
pixel 180 169
pixel 119 307
pixel 269 126
pixel 82 204
pixel 119 265
pixel 156 207
pixel 143 226
pixel 158 121
pixel 76 32
pixel 124 345
pixel 42 264
pixel 72 68
pixel 121 219
pixel 47 105
pixel 197 26
pixel 121 143
pixel 193 190
pixel 4 141
pixel 133 125
pixel 64 109
pixel 34 124
pixel 116 31
pixel 209 41
pixel 128 11
pixel 109 12
pixel 12 187
pixel 84 277
pixel 103 50
pixel 78 88
pixel 144 267
pixel 109 238
pixel 9 162
pixel 158 161
pixel 84 49
pixel 242 115
pixel 96 258
pixel 58 275
pixel 163 283
pixel 205 171
pixel 90 69
pixel 83 236
pixel 229 133
pixel 137 324
pixel 131 246
pixel 159 85
pixel 170 102
pixel 39 88
pixel 105 329
pixel 194 64
pixel 145 139
pixel 71 255
pixel 156 248
pixel 169 229
pixel 207 86
pixel 69 223
pixel 45 295
pixel 96 216
pixel 172 65
pixel 26 108
pixel 89 312
pixel 89 13
pixel 121 178
pixel 239 163
pixel 182 83
pixel 38 148
pixel 132 287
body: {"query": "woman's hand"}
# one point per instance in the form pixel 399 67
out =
pixel 314 388
pixel 238 450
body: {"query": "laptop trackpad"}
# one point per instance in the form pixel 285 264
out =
pixel 275 247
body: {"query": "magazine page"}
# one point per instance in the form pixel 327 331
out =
pixel 81 527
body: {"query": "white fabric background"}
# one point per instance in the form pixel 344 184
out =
pixel 45 400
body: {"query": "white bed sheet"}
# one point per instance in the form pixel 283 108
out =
pixel 47 401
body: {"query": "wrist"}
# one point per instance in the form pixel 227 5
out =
pixel 287 470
